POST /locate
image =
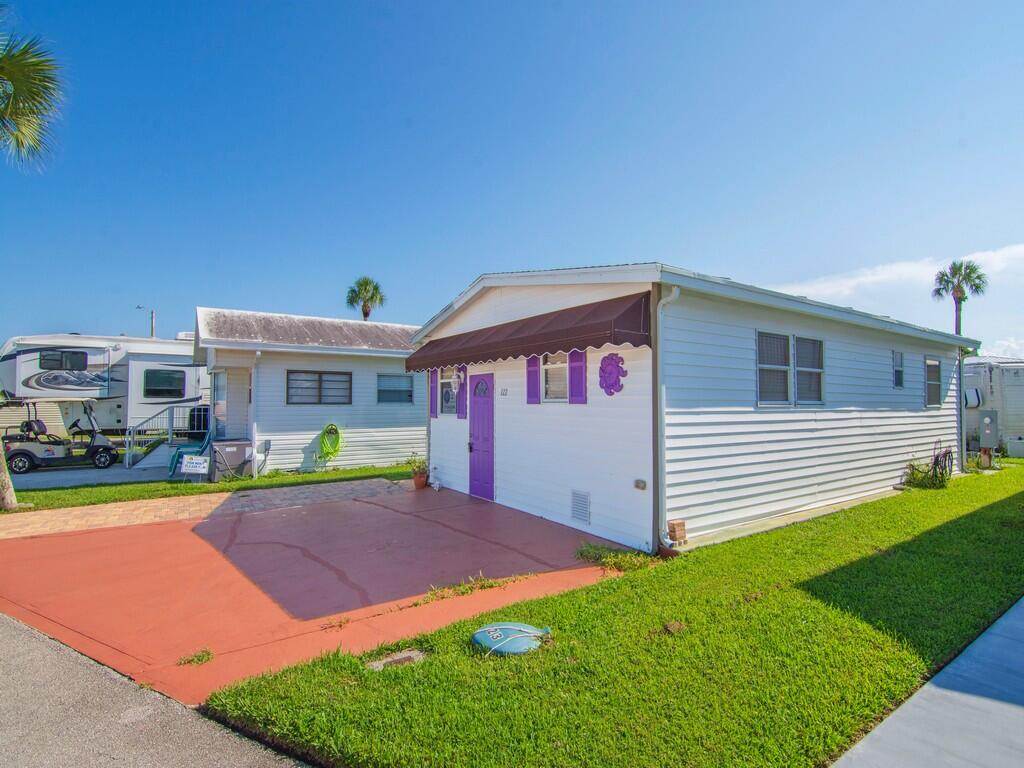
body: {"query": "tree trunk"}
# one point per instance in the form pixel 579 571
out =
pixel 366 311
pixel 957 305
pixel 7 498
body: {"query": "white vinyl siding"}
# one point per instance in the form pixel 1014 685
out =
pixel 237 422
pixel 542 453
pixel 375 433
pixel 730 461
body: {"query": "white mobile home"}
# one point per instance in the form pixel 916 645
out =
pixel 131 378
pixel 279 380
pixel 995 384
pixel 617 399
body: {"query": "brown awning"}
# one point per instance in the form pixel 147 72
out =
pixel 623 320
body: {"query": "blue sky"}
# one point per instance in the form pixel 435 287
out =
pixel 263 155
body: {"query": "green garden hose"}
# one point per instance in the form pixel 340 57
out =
pixel 331 443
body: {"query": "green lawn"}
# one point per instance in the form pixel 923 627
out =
pixel 793 642
pixel 84 495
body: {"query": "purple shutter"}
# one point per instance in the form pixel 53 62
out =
pixel 533 380
pixel 433 393
pixel 578 376
pixel 460 398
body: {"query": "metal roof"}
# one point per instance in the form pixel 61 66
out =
pixel 722 287
pixel 992 360
pixel 242 329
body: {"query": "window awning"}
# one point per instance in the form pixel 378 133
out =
pixel 622 320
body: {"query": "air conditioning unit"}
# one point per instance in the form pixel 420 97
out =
pixel 231 459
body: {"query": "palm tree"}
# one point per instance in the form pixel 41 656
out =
pixel 959 280
pixel 30 93
pixel 365 294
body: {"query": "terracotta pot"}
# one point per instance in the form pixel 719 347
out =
pixel 419 481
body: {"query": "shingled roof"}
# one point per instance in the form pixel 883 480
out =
pixel 242 328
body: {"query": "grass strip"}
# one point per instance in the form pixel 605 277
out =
pixel 784 647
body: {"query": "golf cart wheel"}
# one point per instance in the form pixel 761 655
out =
pixel 20 463
pixel 103 459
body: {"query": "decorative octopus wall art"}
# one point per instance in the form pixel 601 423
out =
pixel 611 373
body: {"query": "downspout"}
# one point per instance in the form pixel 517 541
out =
pixel 663 539
pixel 253 378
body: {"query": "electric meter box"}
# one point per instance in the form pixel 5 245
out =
pixel 988 429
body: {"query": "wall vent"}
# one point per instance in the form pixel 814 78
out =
pixel 581 507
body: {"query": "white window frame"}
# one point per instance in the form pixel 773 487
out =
pixel 442 379
pixel 790 381
pixel 901 368
pixel 545 366
pixel 938 363
pixel 797 369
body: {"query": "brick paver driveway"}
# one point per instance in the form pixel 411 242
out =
pixel 189 507
pixel 265 587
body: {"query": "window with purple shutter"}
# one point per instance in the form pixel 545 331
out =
pixel 578 376
pixel 533 380
pixel 460 397
pixel 433 393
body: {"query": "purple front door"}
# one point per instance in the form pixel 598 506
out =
pixel 481 435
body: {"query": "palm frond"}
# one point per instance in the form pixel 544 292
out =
pixel 30 96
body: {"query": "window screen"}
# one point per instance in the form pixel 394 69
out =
pixel 810 365
pixel 772 368
pixel 395 388
pixel 447 387
pixel 897 369
pixel 56 360
pixel 556 377
pixel 318 388
pixel 933 382
pixel 163 383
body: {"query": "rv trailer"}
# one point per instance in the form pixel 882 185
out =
pixel 995 384
pixel 131 379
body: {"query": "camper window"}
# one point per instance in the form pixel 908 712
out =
pixel 157 382
pixel 56 360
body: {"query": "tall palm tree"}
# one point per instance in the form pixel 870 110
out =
pixel 959 280
pixel 30 93
pixel 365 294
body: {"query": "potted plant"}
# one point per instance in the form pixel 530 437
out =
pixel 418 467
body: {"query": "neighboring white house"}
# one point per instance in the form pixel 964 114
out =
pixel 615 399
pixel 994 384
pixel 278 380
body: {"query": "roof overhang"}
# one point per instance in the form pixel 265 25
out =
pixel 622 320
pixel 253 346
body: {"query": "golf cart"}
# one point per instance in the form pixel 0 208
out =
pixel 30 445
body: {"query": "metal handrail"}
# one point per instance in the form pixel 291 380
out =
pixel 170 424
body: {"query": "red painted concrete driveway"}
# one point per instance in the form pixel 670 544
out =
pixel 270 588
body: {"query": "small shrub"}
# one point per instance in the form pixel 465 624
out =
pixel 615 559
pixel 417 465
pixel 923 476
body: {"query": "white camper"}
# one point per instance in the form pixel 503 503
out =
pixel 130 378
pixel 995 384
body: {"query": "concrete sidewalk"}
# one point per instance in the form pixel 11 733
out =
pixel 970 714
pixel 60 708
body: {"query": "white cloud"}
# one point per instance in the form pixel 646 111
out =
pixel 1008 347
pixel 914 275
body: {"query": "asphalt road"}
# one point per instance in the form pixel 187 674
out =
pixel 58 708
